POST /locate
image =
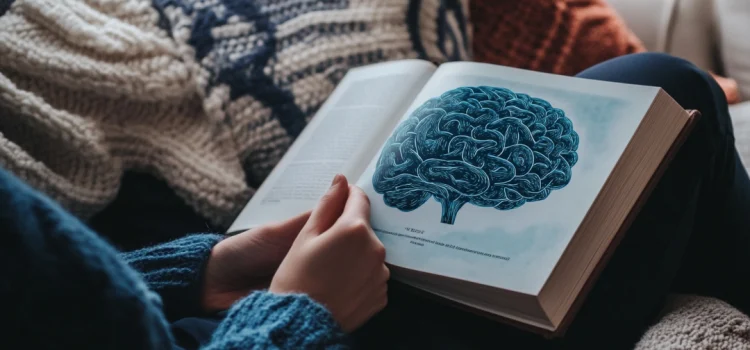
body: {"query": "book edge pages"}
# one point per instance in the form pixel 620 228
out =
pixel 693 116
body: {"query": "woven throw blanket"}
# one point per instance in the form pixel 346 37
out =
pixel 205 94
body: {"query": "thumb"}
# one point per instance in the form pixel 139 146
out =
pixel 287 228
pixel 330 206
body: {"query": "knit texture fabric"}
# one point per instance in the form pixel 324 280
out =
pixel 205 94
pixel 290 321
pixel 63 287
pixel 175 270
pixel 554 36
pixel 693 322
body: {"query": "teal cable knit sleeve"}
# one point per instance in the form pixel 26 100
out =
pixel 174 270
pixel 264 320
pixel 63 287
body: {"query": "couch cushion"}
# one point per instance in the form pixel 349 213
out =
pixel 649 20
pixel 741 120
pixel 733 22
pixel 691 34
pixel 682 28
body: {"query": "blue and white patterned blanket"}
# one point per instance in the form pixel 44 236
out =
pixel 266 66
pixel 205 94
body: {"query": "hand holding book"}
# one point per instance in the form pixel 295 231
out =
pixel 247 261
pixel 337 259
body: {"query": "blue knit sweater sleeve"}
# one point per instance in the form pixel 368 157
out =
pixel 261 320
pixel 63 287
pixel 174 270
pixel 264 320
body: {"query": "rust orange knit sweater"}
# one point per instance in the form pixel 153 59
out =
pixel 555 36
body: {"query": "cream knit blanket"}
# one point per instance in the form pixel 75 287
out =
pixel 698 323
pixel 205 94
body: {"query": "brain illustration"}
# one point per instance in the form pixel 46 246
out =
pixel 486 146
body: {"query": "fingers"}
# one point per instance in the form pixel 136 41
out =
pixel 282 231
pixel 355 221
pixel 371 301
pixel 381 300
pixel 293 224
pixel 385 273
pixel 330 206
pixel 377 301
pixel 357 207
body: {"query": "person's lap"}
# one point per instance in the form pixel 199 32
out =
pixel 690 237
pixel 713 262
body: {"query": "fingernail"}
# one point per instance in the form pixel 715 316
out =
pixel 336 179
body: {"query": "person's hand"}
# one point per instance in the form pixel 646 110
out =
pixel 337 260
pixel 247 261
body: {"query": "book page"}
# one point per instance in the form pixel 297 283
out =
pixel 342 138
pixel 492 170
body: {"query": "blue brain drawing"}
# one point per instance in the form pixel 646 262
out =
pixel 485 146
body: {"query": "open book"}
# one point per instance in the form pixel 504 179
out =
pixel 498 189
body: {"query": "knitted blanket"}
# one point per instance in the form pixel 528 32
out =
pixel 205 94
pixel 695 323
